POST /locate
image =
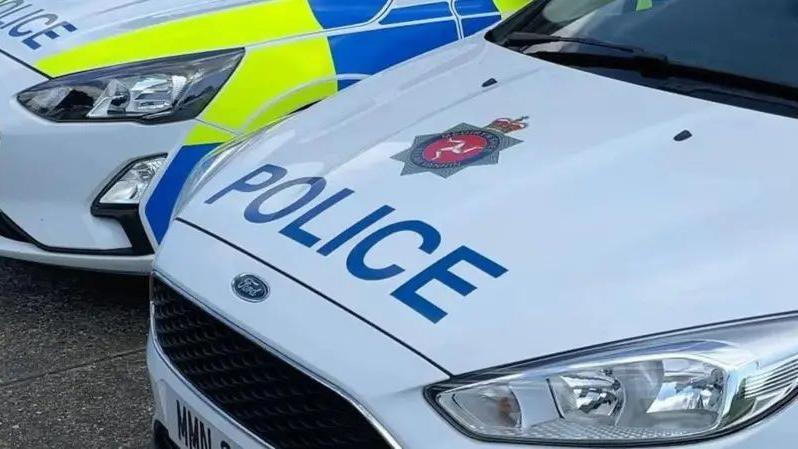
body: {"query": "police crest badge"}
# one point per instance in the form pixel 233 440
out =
pixel 464 145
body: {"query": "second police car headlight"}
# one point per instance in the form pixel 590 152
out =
pixel 161 90
pixel 681 387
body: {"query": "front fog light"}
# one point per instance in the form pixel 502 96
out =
pixel 681 387
pixel 129 187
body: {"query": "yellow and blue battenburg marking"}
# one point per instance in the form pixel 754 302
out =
pixel 278 75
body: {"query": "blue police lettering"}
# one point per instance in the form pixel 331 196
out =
pixel 439 271
pixel 22 19
pixel 269 180
pixel 17 15
pixel 352 231
pixel 9 7
pixel 245 185
pixel 51 33
pixel 294 230
pixel 253 212
pixel 356 262
pixel 23 28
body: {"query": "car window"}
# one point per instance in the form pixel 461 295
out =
pixel 757 39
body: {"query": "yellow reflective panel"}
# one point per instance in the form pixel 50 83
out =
pixel 205 134
pixel 230 28
pixel 507 7
pixel 269 73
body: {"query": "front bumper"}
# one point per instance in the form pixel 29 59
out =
pixel 372 369
pixel 383 376
pixel 51 173
pixel 136 265
pixel 410 419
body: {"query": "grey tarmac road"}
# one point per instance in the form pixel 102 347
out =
pixel 72 368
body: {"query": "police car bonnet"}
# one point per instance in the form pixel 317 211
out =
pixel 436 208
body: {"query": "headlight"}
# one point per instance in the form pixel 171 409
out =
pixel 161 90
pixel 682 387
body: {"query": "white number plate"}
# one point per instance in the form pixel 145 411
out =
pixel 189 430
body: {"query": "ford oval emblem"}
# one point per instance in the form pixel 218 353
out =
pixel 251 288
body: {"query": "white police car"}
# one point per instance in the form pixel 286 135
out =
pixel 574 231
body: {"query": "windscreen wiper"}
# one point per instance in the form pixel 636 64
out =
pixel 649 65
pixel 525 39
pixel 627 57
pixel 784 104
pixel 663 71
pixel 661 68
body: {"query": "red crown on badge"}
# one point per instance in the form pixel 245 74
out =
pixel 508 125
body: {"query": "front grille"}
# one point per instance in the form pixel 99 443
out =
pixel 272 399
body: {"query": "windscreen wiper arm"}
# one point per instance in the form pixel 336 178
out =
pixel 657 66
pixel 524 39
pixel 660 67
pixel 629 58
pixel 701 90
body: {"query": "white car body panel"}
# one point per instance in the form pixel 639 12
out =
pixel 133 265
pixel 599 214
pixel 382 376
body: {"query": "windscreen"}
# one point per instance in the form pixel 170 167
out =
pixel 751 38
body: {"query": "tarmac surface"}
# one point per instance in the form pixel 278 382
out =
pixel 72 359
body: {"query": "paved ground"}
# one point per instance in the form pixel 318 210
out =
pixel 72 372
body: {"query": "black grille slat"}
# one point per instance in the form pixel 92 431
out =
pixel 268 396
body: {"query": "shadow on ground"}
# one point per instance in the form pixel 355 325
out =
pixel 72 371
